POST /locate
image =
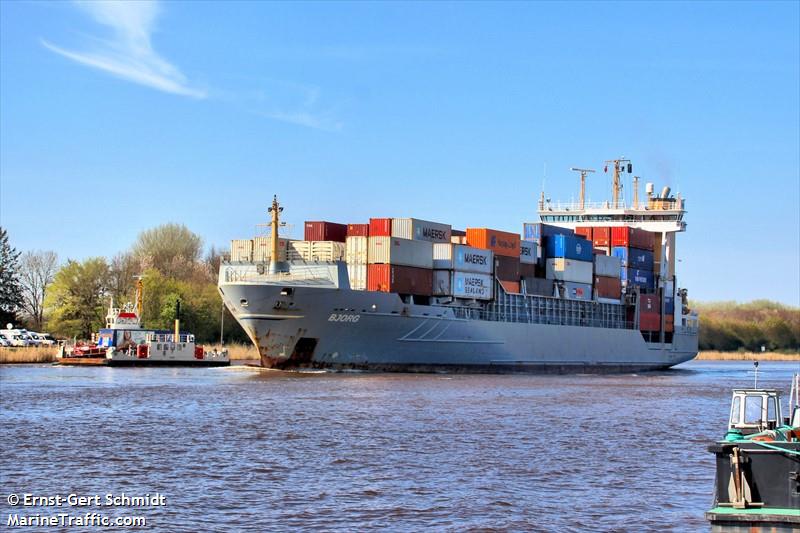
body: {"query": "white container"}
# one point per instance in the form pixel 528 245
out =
pixel 607 265
pixel 262 249
pixel 462 284
pixel 298 251
pixel 402 252
pixel 242 250
pixel 569 270
pixel 441 282
pixel 355 250
pixel 420 230
pixel 462 258
pixel 528 252
pixel 315 251
pixel 357 273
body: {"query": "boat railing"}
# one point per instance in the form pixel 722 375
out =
pixel 305 274
pixel 169 338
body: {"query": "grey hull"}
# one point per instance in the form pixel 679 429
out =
pixel 331 327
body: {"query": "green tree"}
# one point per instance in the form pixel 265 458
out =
pixel 172 249
pixel 76 298
pixel 10 288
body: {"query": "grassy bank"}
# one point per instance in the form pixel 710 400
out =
pixel 747 356
pixel 41 354
pixel 237 352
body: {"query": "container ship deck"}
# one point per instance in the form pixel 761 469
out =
pixel 590 288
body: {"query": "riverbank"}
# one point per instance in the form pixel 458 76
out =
pixel 747 356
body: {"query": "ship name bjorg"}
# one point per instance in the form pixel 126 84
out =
pixel 588 288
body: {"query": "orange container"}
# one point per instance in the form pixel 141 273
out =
pixel 585 232
pixel 510 286
pixel 500 242
pixel 400 279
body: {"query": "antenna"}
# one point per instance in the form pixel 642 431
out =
pixel 636 192
pixel 583 172
pixel 275 210
pixel 620 165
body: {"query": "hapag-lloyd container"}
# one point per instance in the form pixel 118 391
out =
pixel 358 230
pixel 634 257
pixel 634 277
pixel 355 250
pixel 500 242
pixel 601 237
pixel 380 227
pixel 357 273
pixel 575 291
pixel 400 279
pixel 462 284
pixel 607 265
pixel 569 270
pixel 262 249
pixel 608 287
pixel 242 250
pixel 569 247
pixel 324 231
pixel 462 258
pixel 397 251
pixel 506 268
pixel 631 237
pixel 528 252
pixel 420 230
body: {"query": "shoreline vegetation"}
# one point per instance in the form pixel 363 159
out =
pixel 248 353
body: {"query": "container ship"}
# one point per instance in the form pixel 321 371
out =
pixel 587 288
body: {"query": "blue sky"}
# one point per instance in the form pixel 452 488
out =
pixel 115 118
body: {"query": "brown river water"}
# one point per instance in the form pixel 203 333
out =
pixel 241 450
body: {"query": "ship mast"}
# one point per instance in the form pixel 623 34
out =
pixel 616 188
pixel 275 211
pixel 582 198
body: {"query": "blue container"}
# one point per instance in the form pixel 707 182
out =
pixel 669 305
pixel 638 278
pixel 633 257
pixel 534 231
pixel 568 247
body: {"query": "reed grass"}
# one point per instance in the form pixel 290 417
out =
pixel 747 356
pixel 236 351
pixel 34 354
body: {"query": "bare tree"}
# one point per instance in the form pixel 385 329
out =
pixel 36 273
pixel 123 268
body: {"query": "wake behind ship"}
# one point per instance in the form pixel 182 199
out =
pixel 590 288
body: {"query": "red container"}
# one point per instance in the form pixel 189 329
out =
pixel 669 324
pixel 632 237
pixel 586 233
pixel 400 279
pixel 608 287
pixel 324 231
pixel 380 227
pixel 358 230
pixel 601 237
pixel 511 287
pixel 527 270
pixel 506 268
pixel 500 242
pixel 649 313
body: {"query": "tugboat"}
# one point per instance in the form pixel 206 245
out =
pixel 757 486
pixel 124 342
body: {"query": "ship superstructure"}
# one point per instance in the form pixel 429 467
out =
pixel 412 295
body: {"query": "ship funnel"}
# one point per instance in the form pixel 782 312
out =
pixel 665 192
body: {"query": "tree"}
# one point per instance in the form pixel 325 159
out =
pixel 172 249
pixel 10 288
pixel 36 273
pixel 122 272
pixel 76 297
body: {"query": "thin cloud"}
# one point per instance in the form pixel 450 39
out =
pixel 129 55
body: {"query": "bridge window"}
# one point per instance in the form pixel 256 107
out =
pixel 735 415
pixel 752 410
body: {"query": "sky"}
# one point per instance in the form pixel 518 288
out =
pixel 118 117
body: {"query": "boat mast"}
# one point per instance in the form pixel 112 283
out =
pixel 616 188
pixel 582 197
pixel 275 211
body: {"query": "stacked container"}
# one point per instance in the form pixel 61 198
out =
pixel 262 249
pixel 399 265
pixel 649 313
pixel 324 231
pixel 634 248
pixel 568 260
pixel 355 253
pixel 420 230
pixel 462 271
pixel 528 259
pixel 358 230
pixel 607 284
pixel 242 250
pixel 601 239
pixel 536 231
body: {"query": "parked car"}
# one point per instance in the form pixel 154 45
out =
pixel 18 337
pixel 45 339
pixel 4 341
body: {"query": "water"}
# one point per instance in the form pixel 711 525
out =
pixel 237 450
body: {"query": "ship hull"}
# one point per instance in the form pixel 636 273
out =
pixel 329 327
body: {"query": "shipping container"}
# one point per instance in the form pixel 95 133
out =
pixel 528 270
pixel 262 249
pixel 585 232
pixel 606 265
pixel 634 277
pixel 648 303
pixel 326 251
pixel 632 237
pixel 380 227
pixel 574 291
pixel 601 237
pixel 539 286
pixel 462 258
pixel 535 231
pixel 298 251
pixel 608 287
pixel 355 250
pixel 242 250
pixel 458 236
pixel 404 252
pixel 462 284
pixel 324 231
pixel 669 323
pixel 506 268
pixel 358 230
pixel 528 252
pixel 633 257
pixel 511 287
pixel 500 242
pixel 400 279
pixel 569 270
pixel 420 230
pixel 569 247
pixel 357 273
pixel 601 250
